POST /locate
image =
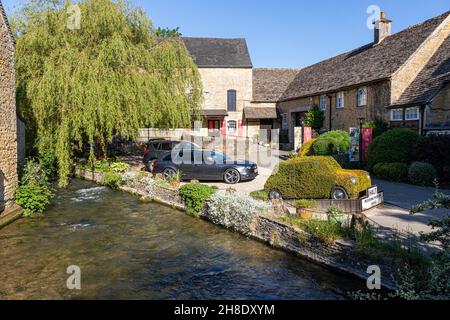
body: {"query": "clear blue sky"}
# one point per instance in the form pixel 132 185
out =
pixel 285 33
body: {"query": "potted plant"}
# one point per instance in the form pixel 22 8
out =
pixel 175 180
pixel 304 208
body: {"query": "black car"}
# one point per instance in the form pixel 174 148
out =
pixel 156 148
pixel 203 165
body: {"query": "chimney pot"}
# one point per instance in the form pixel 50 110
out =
pixel 382 28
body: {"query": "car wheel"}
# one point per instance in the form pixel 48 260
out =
pixel 275 195
pixel 339 193
pixel 232 176
pixel 168 173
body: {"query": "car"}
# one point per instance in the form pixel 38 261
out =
pixel 157 147
pixel 203 165
pixel 316 178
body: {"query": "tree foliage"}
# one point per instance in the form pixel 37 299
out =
pixel 110 77
pixel 314 118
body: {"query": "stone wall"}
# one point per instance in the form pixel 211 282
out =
pixel 403 78
pixel 8 118
pixel 438 114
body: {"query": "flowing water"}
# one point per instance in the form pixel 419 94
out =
pixel 132 250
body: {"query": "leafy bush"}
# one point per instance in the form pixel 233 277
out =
pixel 305 204
pixel 335 214
pixel 112 180
pixel 422 174
pixel 314 178
pixel 307 148
pixel 34 193
pixel 260 195
pixel 195 196
pixel 235 211
pixel 392 146
pixel 395 171
pixel 331 143
pixel 435 150
pixel 119 167
pixel 314 118
pixel 379 126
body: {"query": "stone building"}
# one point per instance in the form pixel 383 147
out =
pixel 8 117
pixel 401 78
pixel 238 99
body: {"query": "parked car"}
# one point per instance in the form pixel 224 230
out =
pixel 158 147
pixel 203 165
pixel 317 178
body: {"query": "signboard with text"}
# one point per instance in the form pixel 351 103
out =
pixel 367 138
pixel 354 145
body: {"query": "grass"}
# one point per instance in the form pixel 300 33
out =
pixel 260 195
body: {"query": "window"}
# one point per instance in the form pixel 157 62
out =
pixel 361 97
pixel 412 114
pixel 340 100
pixel 232 126
pixel 323 103
pixel 231 100
pixel 397 115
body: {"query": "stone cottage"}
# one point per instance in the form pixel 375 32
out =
pixel 401 78
pixel 8 117
pixel 238 99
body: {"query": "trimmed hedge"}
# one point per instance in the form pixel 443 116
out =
pixel 331 143
pixel 195 196
pixel 392 146
pixel 314 178
pixel 435 150
pixel 307 148
pixel 422 174
pixel 395 171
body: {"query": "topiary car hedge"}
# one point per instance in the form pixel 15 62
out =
pixel 316 178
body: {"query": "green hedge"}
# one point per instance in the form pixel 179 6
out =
pixel 435 150
pixel 195 196
pixel 395 171
pixel 423 174
pixel 393 146
pixel 331 143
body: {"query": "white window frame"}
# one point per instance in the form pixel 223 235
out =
pixel 417 117
pixel 393 111
pixel 361 97
pixel 340 97
pixel 234 128
pixel 323 103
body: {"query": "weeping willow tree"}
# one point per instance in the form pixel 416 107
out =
pixel 110 77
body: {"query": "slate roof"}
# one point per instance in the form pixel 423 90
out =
pixel 214 113
pixel 219 53
pixel 372 62
pixel 270 84
pixel 260 113
pixel 430 80
pixel 5 18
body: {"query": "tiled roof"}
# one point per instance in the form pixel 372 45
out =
pixel 5 18
pixel 430 80
pixel 372 62
pixel 219 53
pixel 260 113
pixel 270 84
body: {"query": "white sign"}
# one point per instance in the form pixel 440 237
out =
pixel 373 199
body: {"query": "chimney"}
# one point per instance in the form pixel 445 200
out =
pixel 382 28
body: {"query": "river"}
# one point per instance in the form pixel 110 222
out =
pixel 127 249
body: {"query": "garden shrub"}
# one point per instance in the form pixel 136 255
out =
pixel 331 143
pixel 260 195
pixel 422 174
pixel 34 192
pixel 195 196
pixel 112 180
pixel 379 127
pixel 395 171
pixel 392 146
pixel 119 167
pixel 435 150
pixel 235 211
pixel 307 148
pixel 305 204
pixel 314 118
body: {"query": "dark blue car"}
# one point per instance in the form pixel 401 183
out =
pixel 203 165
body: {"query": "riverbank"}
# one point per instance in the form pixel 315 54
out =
pixel 341 256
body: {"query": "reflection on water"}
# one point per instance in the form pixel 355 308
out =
pixel 132 250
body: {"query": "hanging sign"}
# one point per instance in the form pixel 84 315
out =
pixel 367 141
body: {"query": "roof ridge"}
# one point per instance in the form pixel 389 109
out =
pixel 213 38
pixel 5 19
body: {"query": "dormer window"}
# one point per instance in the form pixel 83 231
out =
pixel 361 97
pixel 323 103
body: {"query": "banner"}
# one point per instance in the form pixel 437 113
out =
pixel 307 134
pixel 354 145
pixel 366 142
